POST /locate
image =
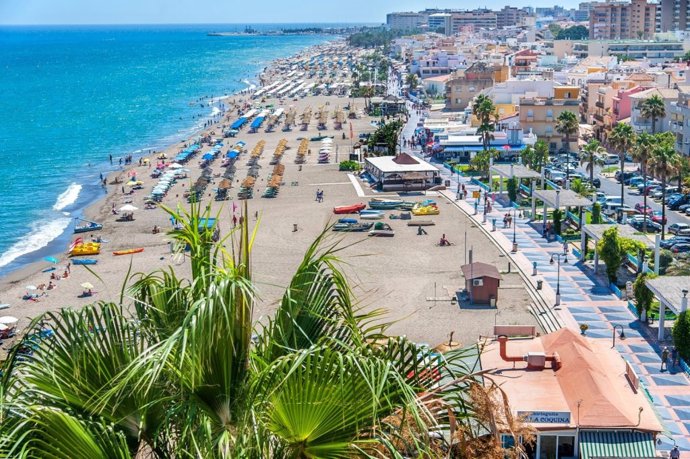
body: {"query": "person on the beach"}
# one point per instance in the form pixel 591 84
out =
pixel 234 220
pixel 69 266
pixel 664 359
pixel 675 452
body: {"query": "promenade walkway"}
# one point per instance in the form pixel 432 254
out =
pixel 585 299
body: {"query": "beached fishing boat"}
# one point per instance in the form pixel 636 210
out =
pixel 89 248
pixel 128 251
pixel 382 230
pixel 347 220
pixel 407 205
pixel 84 261
pixel 86 226
pixel 371 215
pixel 352 227
pixel 352 209
pixel 384 204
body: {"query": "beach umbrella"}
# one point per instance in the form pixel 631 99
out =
pixel 3 327
pixel 175 166
pixel 51 259
pixel 31 287
pixel 128 208
pixel 8 320
pixel 87 285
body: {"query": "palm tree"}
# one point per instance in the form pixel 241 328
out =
pixel 641 153
pixel 412 81
pixel 172 370
pixel 593 154
pixel 485 111
pixel 622 139
pixel 567 125
pixel 653 108
pixel 664 162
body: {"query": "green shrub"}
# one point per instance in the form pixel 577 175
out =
pixel 512 189
pixel 349 166
pixel 557 219
pixel 596 213
pixel 643 296
pixel 681 334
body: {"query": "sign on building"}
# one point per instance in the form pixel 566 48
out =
pixel 546 417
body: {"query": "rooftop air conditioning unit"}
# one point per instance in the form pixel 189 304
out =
pixel 477 282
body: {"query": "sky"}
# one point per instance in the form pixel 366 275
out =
pixel 225 11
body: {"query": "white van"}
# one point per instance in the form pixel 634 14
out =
pixel 611 159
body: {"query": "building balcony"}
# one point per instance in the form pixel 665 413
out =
pixel 599 118
pixel 599 104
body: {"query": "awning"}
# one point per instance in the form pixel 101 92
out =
pixel 616 443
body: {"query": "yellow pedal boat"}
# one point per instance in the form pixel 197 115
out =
pixel 89 248
pixel 425 210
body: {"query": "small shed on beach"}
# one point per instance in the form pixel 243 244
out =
pixel 481 282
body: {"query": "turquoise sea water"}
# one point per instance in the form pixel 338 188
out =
pixel 71 96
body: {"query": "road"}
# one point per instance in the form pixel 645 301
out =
pixel 612 188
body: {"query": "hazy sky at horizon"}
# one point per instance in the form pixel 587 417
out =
pixel 207 11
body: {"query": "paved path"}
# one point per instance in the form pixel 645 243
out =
pixel 585 299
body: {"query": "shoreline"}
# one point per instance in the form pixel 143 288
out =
pixel 29 263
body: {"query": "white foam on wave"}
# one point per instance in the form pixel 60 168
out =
pixel 215 111
pixel 68 197
pixel 40 235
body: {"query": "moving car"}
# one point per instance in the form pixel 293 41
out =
pixel 657 217
pixel 642 209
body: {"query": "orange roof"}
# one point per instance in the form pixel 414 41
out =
pixel 591 372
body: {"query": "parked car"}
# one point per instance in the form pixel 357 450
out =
pixel 668 243
pixel 680 248
pixel 684 208
pixel 639 224
pixel 625 176
pixel 676 203
pixel 676 228
pixel 611 159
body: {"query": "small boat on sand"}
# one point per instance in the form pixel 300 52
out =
pixel 384 204
pixel 352 209
pixel 352 227
pixel 128 251
pixel 87 226
pixel 84 261
pixel 382 230
pixel 421 209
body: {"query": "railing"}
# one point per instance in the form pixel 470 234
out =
pixel 616 290
pixel 481 185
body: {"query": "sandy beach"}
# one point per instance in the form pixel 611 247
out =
pixel 408 274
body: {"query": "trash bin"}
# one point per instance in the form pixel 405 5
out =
pixel 539 284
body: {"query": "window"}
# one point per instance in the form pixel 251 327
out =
pixel 556 446
pixel 530 113
pixel 549 113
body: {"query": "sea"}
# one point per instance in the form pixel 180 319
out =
pixel 72 96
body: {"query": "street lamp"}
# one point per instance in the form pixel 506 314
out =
pixel 622 334
pixel 515 245
pixel 558 276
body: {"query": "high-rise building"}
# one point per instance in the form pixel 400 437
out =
pixel 673 15
pixel 509 16
pixel 440 22
pixel 622 20
pixel 478 19
pixel 405 21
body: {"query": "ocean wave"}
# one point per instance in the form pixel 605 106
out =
pixel 40 235
pixel 215 111
pixel 68 197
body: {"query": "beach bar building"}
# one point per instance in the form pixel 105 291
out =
pixel 401 173
pixel 582 398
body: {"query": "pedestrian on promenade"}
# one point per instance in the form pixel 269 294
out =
pixel 674 358
pixel 664 359
pixel 317 195
pixel 675 452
